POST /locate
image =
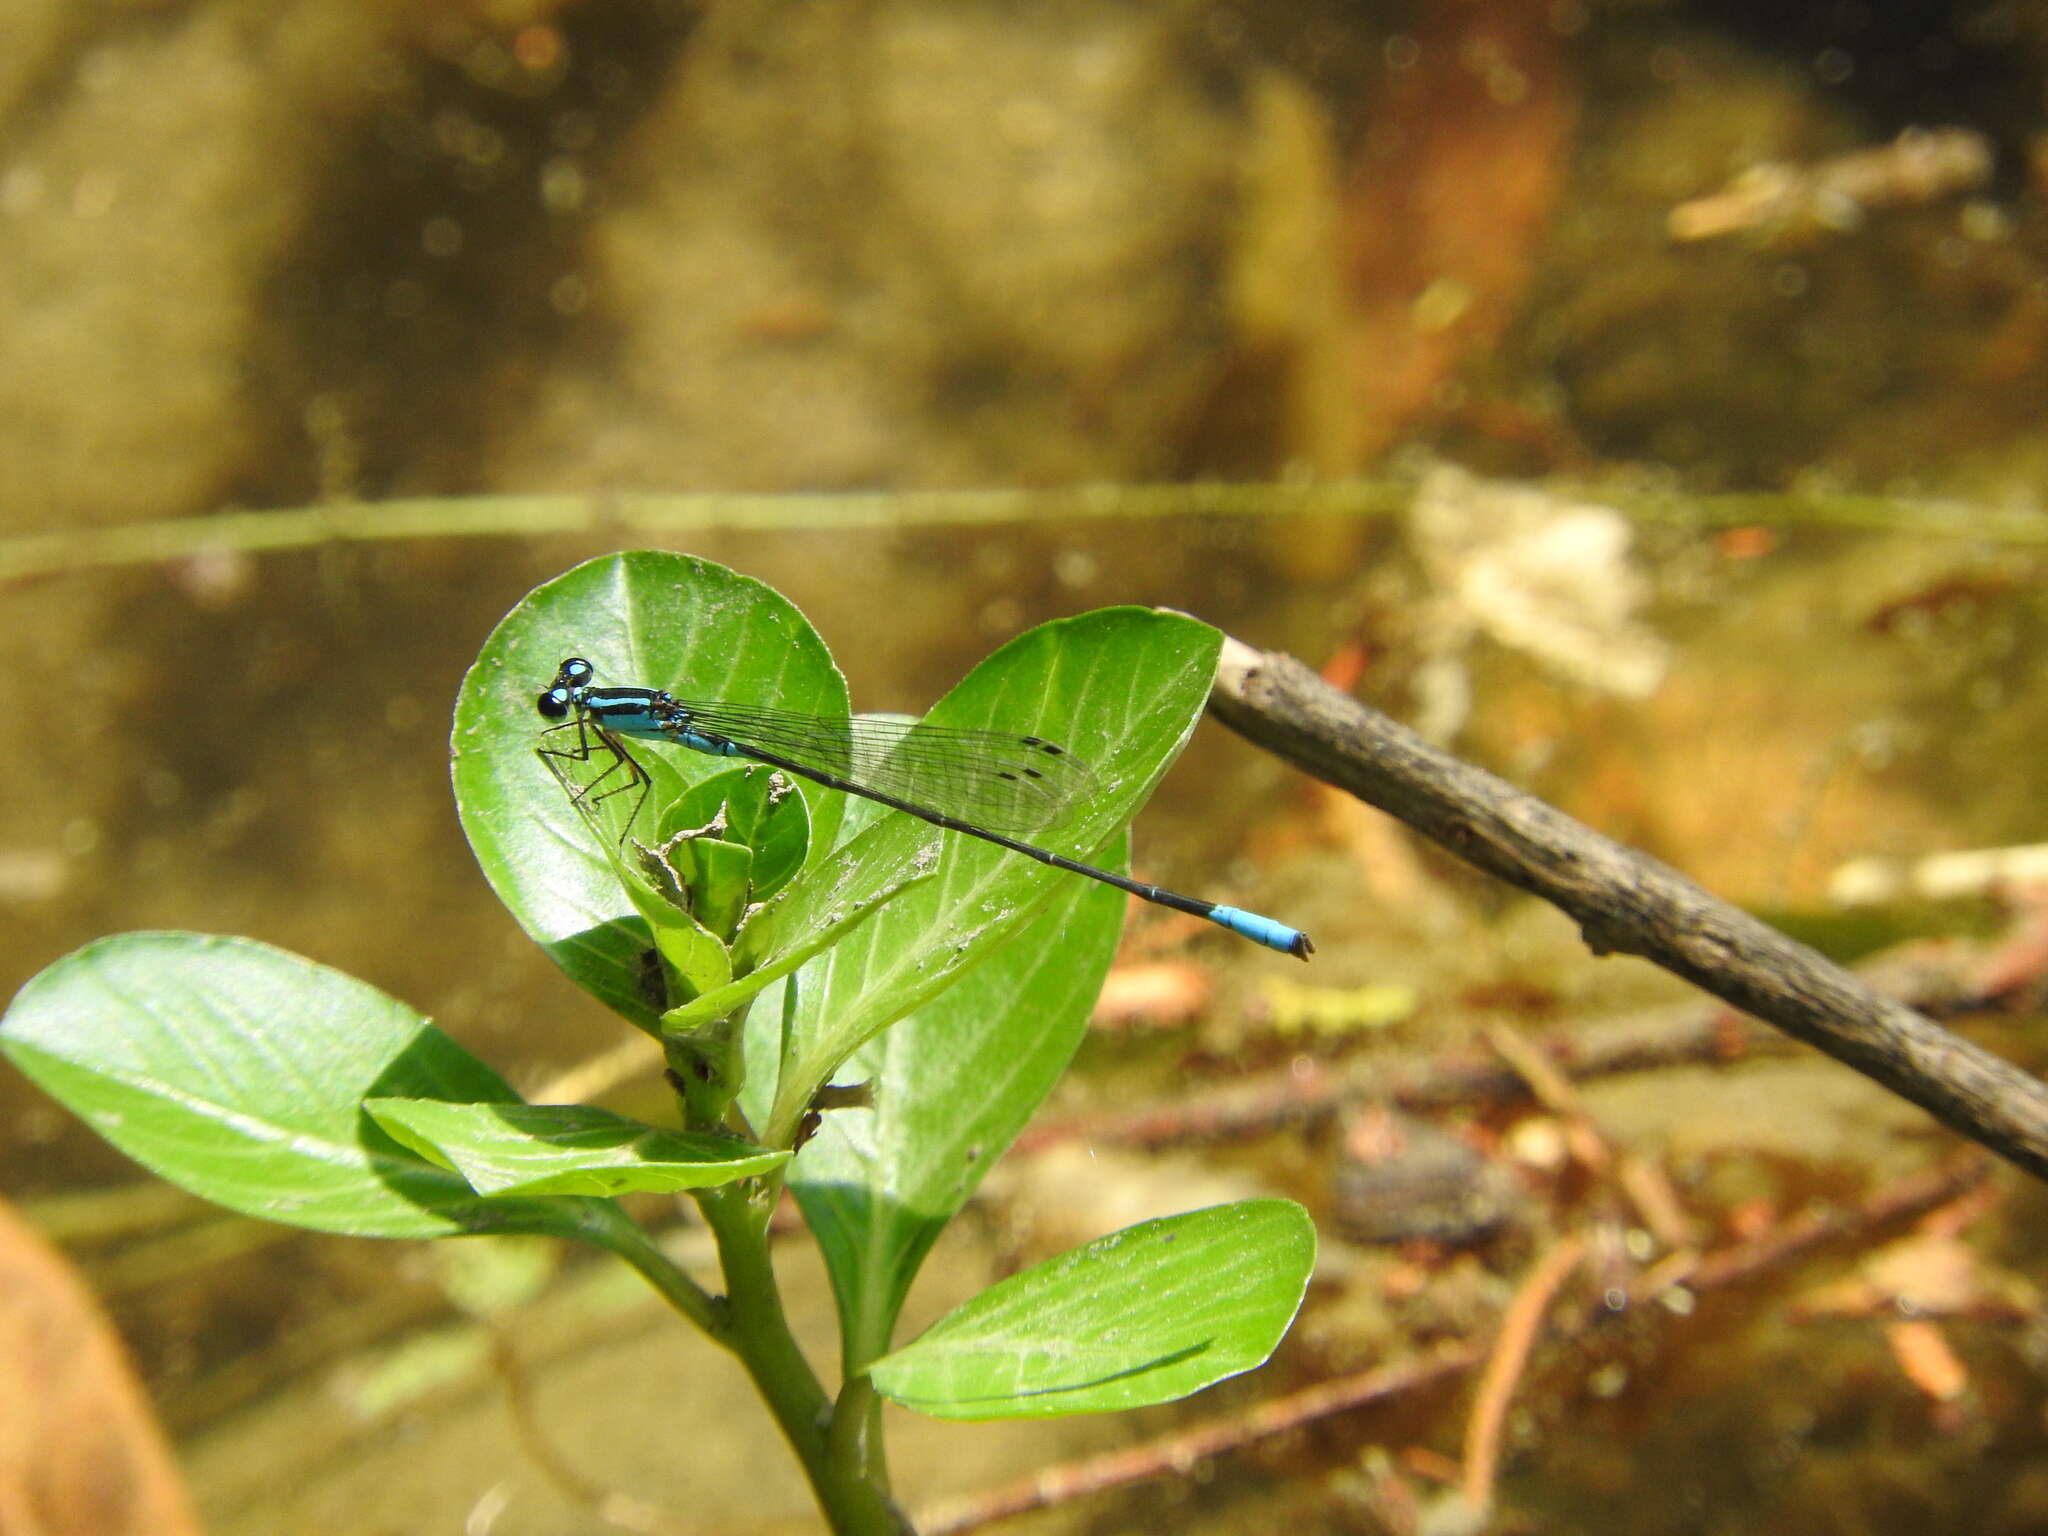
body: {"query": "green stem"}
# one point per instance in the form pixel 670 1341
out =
pixel 703 1066
pixel 627 1241
pixel 855 1443
pixel 854 1499
pixel 620 517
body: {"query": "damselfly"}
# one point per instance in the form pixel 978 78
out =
pixel 986 784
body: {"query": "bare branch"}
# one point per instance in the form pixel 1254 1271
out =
pixel 1626 902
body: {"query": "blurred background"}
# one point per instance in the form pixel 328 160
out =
pixel 1679 370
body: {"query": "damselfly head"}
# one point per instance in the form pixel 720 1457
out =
pixel 559 697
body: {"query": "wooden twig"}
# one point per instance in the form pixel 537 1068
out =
pixel 1555 1092
pixel 1626 902
pixel 1914 1196
pixel 1504 1366
pixel 1307 1092
pixel 1920 165
pixel 1178 1455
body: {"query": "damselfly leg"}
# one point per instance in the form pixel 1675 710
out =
pixel 594 741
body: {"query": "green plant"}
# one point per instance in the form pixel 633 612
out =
pixel 792 941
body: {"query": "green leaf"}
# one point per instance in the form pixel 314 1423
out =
pixel 238 1071
pixel 722 876
pixel 564 1149
pixel 1142 1316
pixel 807 918
pixel 648 618
pixel 697 959
pixel 687 958
pixel 761 808
pixel 953 1085
pixel 1121 689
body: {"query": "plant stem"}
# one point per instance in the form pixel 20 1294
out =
pixel 855 1443
pixel 627 1241
pixel 855 1501
pixel 620 516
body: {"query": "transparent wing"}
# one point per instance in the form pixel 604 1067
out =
pixel 1005 782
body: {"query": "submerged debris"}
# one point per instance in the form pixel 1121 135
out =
pixel 1776 196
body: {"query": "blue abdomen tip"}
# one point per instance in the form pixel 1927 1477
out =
pixel 1264 930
